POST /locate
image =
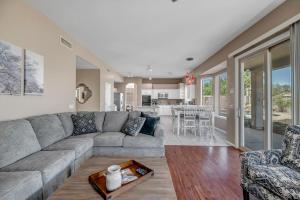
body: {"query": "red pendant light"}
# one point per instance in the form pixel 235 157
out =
pixel 189 78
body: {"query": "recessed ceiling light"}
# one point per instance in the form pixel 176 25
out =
pixel 190 59
pixel 130 75
pixel 149 68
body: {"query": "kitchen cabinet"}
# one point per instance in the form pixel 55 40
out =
pixel 189 92
pixel 154 94
pixel 181 90
pixel 147 92
pixel 173 93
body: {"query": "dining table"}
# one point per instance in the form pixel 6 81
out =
pixel 179 111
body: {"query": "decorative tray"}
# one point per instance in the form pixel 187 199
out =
pixel 98 180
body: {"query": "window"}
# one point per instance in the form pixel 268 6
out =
pixel 223 94
pixel 214 92
pixel 207 91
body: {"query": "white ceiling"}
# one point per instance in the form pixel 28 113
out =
pixel 129 35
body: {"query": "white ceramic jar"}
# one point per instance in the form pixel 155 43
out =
pixel 113 177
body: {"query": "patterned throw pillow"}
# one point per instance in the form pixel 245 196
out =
pixel 84 123
pixel 133 126
pixel 291 148
pixel 150 124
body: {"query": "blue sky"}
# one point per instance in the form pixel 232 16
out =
pixel 282 76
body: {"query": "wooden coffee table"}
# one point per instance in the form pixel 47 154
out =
pixel 158 187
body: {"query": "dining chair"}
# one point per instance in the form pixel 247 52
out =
pixel 174 119
pixel 205 115
pixel 189 119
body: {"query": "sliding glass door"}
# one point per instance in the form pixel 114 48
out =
pixel 265 100
pixel 281 91
pixel 252 78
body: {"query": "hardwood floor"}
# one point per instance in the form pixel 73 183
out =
pixel 205 172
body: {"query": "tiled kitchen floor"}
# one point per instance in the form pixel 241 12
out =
pixel 190 138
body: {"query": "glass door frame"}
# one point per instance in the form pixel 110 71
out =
pixel 264 53
pixel 239 114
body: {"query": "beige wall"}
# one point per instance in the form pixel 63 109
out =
pixel 29 29
pixel 163 80
pixel 91 78
pixel 165 86
pixel 281 14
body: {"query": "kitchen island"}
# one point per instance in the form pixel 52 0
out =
pixel 161 110
pixel 164 110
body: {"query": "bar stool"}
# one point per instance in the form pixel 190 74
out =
pixel 189 119
pixel 205 120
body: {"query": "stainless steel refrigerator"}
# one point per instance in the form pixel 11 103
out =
pixel 146 100
pixel 119 101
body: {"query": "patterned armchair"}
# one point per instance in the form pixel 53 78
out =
pixel 273 174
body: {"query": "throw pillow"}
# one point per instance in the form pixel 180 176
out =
pixel 133 126
pixel 150 124
pixel 291 148
pixel 84 123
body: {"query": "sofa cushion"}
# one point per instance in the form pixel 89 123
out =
pixel 143 141
pixel 79 145
pixel 84 123
pixel 114 121
pixel 150 113
pixel 48 129
pixel 49 163
pixel 109 139
pixel 279 179
pixel 17 140
pixel 20 185
pixel 99 119
pixel 88 135
pixel 134 114
pixel 261 192
pixel 150 124
pixel 133 126
pixel 67 122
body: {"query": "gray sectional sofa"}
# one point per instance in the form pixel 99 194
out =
pixel 37 154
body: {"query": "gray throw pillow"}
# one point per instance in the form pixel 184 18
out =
pixel 133 126
pixel 84 123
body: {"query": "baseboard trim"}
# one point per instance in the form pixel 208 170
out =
pixel 220 130
pixel 230 143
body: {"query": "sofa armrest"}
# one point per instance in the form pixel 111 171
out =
pixel 257 158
